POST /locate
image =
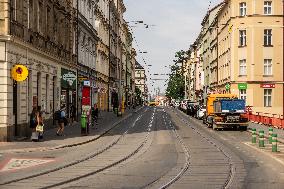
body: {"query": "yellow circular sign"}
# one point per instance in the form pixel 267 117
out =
pixel 19 73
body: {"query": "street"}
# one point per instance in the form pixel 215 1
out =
pixel 156 147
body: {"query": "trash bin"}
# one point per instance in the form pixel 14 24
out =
pixel 84 129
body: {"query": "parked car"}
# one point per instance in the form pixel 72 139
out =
pixel 191 108
pixel 183 105
pixel 177 104
pixel 200 112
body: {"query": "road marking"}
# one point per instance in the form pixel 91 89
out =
pixel 17 163
pixel 268 154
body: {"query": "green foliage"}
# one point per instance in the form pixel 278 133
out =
pixel 175 89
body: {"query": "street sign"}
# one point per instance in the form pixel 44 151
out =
pixel 87 83
pixel 227 86
pixel 19 73
pixel 242 86
pixel 270 86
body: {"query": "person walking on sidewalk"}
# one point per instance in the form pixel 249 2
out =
pixel 33 123
pixel 40 122
pixel 95 115
pixel 73 113
pixel 61 122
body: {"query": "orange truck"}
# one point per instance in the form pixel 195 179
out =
pixel 219 117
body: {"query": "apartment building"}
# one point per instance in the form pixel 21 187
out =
pixel 241 50
pixel 102 61
pixel 38 35
pixel 87 39
pixel 250 53
pixel 140 80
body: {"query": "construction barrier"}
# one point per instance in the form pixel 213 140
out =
pixel 268 119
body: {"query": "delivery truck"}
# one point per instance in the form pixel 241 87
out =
pixel 226 111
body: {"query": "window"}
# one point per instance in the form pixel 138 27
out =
pixel 243 9
pixel 243 37
pixel 267 97
pixel 267 37
pixel 267 7
pixel 30 14
pixel 48 20
pixel 243 67
pixel 40 17
pixel 243 94
pixel 267 67
pixel 13 5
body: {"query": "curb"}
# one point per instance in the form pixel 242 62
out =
pixel 42 149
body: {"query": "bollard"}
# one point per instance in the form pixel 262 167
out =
pixel 274 142
pixel 270 135
pixel 253 136
pixel 83 124
pixel 261 138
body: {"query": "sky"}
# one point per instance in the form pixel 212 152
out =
pixel 176 23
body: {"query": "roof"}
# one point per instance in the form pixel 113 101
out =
pixel 138 66
pixel 208 12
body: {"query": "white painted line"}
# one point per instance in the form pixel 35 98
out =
pixel 268 154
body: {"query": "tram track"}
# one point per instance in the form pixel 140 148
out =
pixel 186 153
pixel 228 183
pixel 85 162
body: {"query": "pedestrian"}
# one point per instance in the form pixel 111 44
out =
pixel 73 113
pixel 95 115
pixel 61 122
pixel 128 104
pixel 33 124
pixel 39 127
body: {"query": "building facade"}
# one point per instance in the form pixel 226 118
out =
pixel 251 53
pixel 40 36
pixel 87 39
pixel 140 81
pixel 102 63
pixel 242 53
pixel 62 44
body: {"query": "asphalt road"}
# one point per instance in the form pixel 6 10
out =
pixel 155 148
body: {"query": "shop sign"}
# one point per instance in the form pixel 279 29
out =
pixel 267 86
pixel 87 83
pixel 19 73
pixel 242 86
pixel 81 79
pixel 68 79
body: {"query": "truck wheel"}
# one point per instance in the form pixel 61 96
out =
pixel 243 128
pixel 215 127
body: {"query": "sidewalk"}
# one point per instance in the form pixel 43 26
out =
pixel 265 128
pixel 72 137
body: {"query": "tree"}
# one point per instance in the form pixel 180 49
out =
pixel 175 89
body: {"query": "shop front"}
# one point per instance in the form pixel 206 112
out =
pixel 68 90
pixel 87 90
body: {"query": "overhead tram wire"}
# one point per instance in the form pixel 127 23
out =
pixel 139 50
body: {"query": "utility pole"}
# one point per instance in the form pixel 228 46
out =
pixel 109 56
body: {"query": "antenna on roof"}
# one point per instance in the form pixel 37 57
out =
pixel 209 7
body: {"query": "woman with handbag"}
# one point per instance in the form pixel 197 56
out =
pixel 39 127
pixel 33 124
